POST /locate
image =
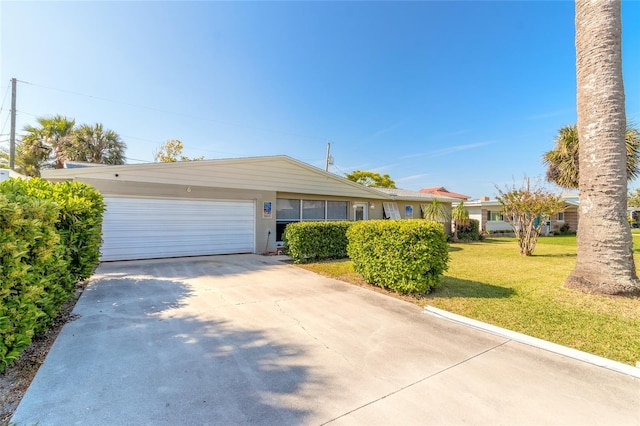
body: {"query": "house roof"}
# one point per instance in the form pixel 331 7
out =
pixel 278 173
pixel 270 173
pixel 406 195
pixel 569 199
pixel 441 191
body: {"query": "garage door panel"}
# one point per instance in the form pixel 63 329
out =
pixel 141 228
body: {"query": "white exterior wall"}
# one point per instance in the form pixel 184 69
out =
pixel 475 213
pixel 498 225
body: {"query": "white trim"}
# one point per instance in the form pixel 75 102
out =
pixel 365 210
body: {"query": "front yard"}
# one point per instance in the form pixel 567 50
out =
pixel 490 281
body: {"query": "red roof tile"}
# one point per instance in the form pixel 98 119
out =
pixel 442 192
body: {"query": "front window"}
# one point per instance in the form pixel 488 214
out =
pixel 493 216
pixel 560 217
pixel 287 209
pixel 337 210
pixel 292 210
pixel 312 210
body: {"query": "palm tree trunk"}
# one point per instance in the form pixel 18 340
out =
pixel 605 253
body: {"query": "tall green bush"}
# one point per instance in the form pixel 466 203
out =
pixel 50 239
pixel 309 241
pixel 80 219
pixel 406 256
pixel 470 231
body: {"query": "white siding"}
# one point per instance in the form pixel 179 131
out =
pixel 498 225
pixel 278 173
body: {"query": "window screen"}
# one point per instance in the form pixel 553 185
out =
pixel 337 210
pixel 287 209
pixel 312 210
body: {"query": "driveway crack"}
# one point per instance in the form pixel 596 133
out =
pixel 299 324
pixel 464 361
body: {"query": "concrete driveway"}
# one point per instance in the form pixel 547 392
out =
pixel 249 340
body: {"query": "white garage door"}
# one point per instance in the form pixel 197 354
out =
pixel 147 228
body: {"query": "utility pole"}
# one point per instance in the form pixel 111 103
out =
pixel 329 159
pixel 12 137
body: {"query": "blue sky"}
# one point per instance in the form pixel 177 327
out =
pixel 466 95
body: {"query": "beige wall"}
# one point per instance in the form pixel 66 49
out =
pixel 138 189
pixel 570 218
pixel 264 240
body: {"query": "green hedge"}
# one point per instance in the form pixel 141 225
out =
pixel 51 235
pixel 310 241
pixel 406 256
pixel 79 222
pixel 470 232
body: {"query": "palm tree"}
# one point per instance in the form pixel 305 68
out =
pixel 94 144
pixel 604 263
pixel 435 211
pixel 46 145
pixel 460 217
pixel 562 160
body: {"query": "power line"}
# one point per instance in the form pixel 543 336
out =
pixel 6 93
pixel 135 159
pixel 5 124
pixel 172 112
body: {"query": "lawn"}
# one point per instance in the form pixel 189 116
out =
pixel 490 281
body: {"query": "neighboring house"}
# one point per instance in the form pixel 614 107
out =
pixel 226 206
pixel 489 213
pixel 8 173
pixel 441 191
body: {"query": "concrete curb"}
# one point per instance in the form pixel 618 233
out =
pixel 538 343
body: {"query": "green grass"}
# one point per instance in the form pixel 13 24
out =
pixel 490 281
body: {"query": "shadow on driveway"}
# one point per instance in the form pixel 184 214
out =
pixel 139 354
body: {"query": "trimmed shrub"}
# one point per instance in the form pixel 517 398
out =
pixel 310 241
pixel 406 256
pixel 565 230
pixel 80 219
pixel 50 239
pixel 470 232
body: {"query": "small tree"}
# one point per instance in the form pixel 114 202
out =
pixel 460 217
pixel 435 211
pixel 171 152
pixel 633 199
pixel 526 209
pixel 372 179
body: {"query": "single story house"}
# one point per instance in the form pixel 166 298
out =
pixel 225 206
pixel 489 213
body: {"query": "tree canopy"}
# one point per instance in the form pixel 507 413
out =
pixel 527 208
pixel 171 152
pixel 56 139
pixel 371 179
pixel 633 199
pixel 562 161
pixel 94 144
pixel 435 211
